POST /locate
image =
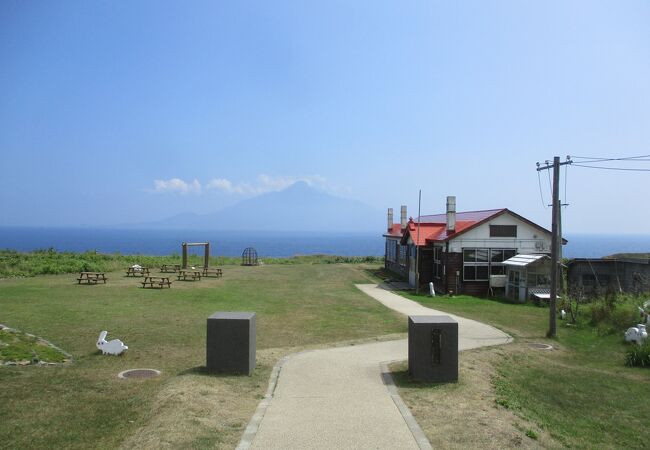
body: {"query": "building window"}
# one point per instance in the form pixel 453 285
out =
pixel 437 262
pixel 538 279
pixel 475 264
pixel 391 250
pixel 480 263
pixel 497 256
pixel 402 255
pixel 503 230
pixel 514 278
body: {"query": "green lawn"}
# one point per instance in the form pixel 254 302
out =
pixel 84 405
pixel 580 393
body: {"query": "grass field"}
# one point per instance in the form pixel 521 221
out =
pixel 85 405
pixel 580 394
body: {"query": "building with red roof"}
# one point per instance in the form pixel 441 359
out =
pixel 459 252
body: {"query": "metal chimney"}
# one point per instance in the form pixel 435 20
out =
pixel 390 218
pixel 451 213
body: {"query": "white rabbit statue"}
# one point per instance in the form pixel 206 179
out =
pixel 114 347
pixel 636 334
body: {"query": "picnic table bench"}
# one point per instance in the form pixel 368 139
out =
pixel 207 271
pixel 156 282
pixel 137 271
pixel 91 278
pixel 166 268
pixel 189 274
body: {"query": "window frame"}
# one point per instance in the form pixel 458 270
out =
pixel 402 253
pixel 483 263
pixel 437 262
pixel 391 250
pixel 503 231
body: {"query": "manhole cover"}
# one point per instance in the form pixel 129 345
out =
pixel 539 346
pixel 139 373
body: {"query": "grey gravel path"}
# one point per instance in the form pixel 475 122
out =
pixel 336 398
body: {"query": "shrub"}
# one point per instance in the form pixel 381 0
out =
pixel 624 315
pixel 638 355
pixel 617 312
pixel 600 312
pixel 49 261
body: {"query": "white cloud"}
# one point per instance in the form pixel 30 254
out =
pixel 177 185
pixel 264 183
pixel 224 185
pixel 261 185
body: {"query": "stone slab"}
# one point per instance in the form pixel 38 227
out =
pixel 231 342
pixel 433 348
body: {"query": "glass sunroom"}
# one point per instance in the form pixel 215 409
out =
pixel 527 275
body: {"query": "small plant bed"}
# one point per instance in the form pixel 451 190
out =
pixel 24 349
pixel 638 355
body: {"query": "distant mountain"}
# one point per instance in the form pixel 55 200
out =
pixel 296 208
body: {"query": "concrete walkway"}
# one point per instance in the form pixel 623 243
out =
pixel 471 334
pixel 337 398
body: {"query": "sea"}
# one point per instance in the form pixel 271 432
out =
pixel 267 244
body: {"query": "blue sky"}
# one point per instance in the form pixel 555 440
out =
pixel 118 112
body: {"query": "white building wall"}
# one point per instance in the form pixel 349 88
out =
pixel 529 239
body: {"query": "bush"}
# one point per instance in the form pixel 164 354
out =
pixel 613 314
pixel 624 316
pixel 638 355
pixel 49 261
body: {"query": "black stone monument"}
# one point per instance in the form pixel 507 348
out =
pixel 230 343
pixel 433 348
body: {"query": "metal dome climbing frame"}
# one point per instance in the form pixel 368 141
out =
pixel 249 257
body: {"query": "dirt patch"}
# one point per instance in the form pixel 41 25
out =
pixel 465 414
pixel 196 409
pixel 200 410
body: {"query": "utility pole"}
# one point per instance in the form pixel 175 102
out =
pixel 417 248
pixel 556 241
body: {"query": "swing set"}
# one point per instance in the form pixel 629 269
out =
pixel 206 270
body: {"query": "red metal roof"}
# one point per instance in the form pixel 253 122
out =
pixel 470 216
pixel 394 231
pixel 433 228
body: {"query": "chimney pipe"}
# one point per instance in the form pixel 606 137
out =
pixel 390 218
pixel 403 216
pixel 451 213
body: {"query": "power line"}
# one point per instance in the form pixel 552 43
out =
pixel 612 168
pixel 541 195
pixel 595 159
pixel 566 176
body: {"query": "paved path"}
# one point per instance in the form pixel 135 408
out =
pixel 471 334
pixel 336 398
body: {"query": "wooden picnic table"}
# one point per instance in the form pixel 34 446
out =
pixel 170 268
pixel 91 278
pixel 207 271
pixel 137 271
pixel 156 282
pixel 189 274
